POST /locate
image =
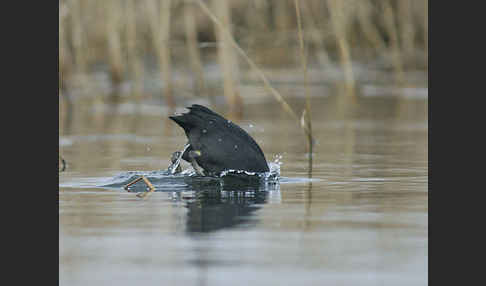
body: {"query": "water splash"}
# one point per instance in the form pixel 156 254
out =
pixel 173 167
pixel 278 159
pixel 272 176
pixel 231 171
pixel 188 179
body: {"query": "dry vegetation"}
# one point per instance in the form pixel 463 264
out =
pixel 127 36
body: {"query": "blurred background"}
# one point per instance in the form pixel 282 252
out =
pixel 358 67
pixel 171 51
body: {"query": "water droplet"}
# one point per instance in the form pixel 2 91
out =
pixel 220 140
pixel 236 146
pixel 204 131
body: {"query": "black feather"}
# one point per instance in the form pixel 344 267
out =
pixel 223 144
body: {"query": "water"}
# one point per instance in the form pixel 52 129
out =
pixel 361 220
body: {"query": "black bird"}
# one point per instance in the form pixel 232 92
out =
pixel 216 144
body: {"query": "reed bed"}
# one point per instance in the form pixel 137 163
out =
pixel 124 36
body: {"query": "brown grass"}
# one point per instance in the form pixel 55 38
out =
pixel 123 35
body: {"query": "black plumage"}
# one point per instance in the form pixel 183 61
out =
pixel 217 144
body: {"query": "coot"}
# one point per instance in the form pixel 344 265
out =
pixel 217 144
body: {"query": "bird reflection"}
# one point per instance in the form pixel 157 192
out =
pixel 212 203
pixel 224 203
pixel 214 210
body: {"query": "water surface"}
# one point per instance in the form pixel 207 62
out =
pixel 362 220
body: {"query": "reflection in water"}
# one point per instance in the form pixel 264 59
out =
pixel 215 210
pixel 308 205
pixel 218 208
pixel 213 203
pixel 65 112
pixel 223 203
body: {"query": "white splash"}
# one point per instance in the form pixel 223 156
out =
pixel 277 159
pixel 172 168
pixel 231 171
pixel 272 175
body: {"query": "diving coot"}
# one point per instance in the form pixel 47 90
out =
pixel 217 144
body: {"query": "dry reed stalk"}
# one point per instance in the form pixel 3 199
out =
pixel 192 47
pixel 227 59
pixel 77 34
pixel 132 56
pixel 369 29
pixel 65 58
pixel 286 107
pixel 316 37
pixel 83 30
pixel 160 33
pixel 281 18
pixel 257 17
pixel 407 32
pixel 115 57
pixel 339 22
pixel 306 115
pixel 349 144
pixel 165 13
pixel 389 20
pixel 426 32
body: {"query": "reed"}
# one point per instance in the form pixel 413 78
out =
pixel 389 18
pixel 125 35
pixel 78 40
pixel 133 58
pixel 306 115
pixel 115 59
pixel 257 17
pixel 165 58
pixel 339 21
pixel 315 36
pixel 306 125
pixel 193 49
pixel 426 31
pixel 282 19
pixel 159 18
pixel 226 57
pixel 370 31
pixel 286 107
pixel 65 58
pixel 407 33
